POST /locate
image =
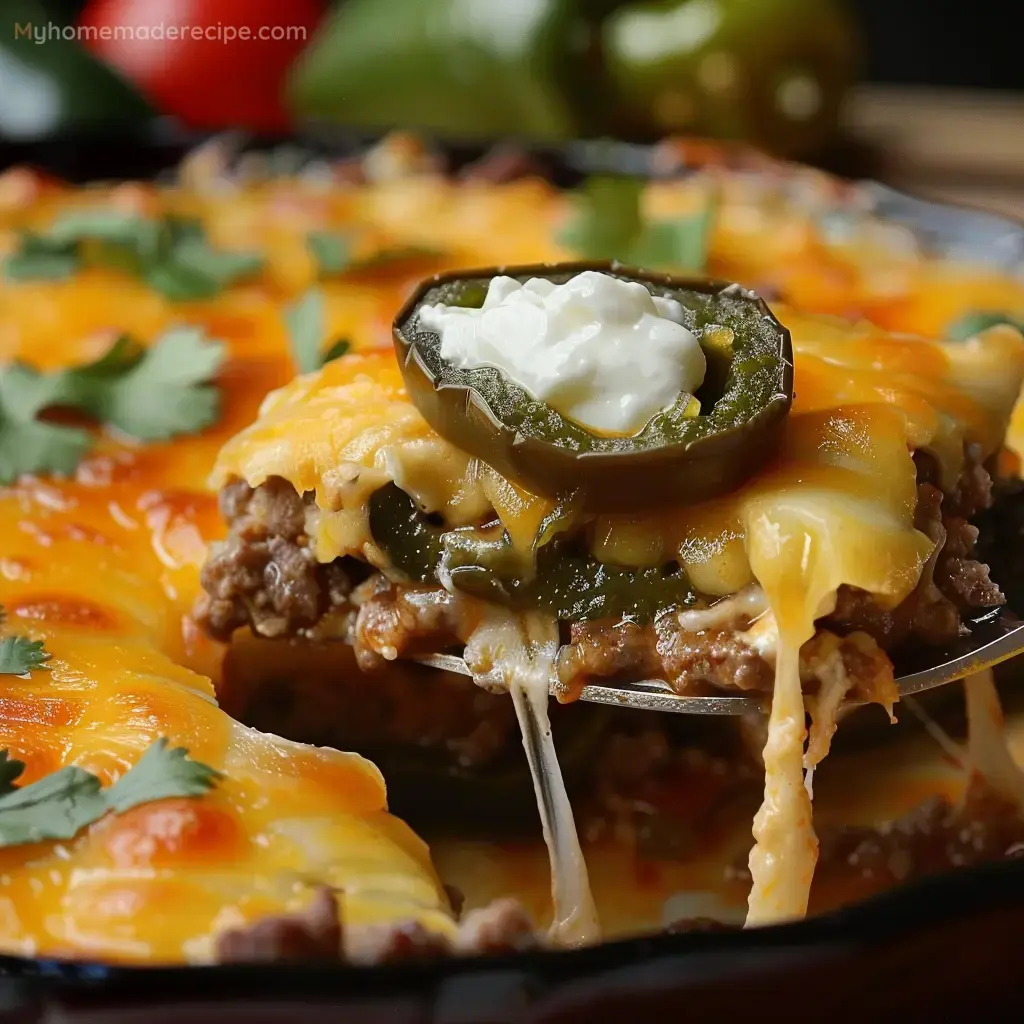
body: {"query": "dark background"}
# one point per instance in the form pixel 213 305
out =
pixel 962 43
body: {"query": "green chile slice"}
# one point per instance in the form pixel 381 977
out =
pixel 677 459
pixel 570 584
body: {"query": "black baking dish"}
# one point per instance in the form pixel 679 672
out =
pixel 946 947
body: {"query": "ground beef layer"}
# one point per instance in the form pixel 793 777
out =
pixel 318 934
pixel 265 576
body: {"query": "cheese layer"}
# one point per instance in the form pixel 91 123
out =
pixel 841 493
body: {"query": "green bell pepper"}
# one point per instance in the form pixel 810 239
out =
pixel 773 72
pixel 456 67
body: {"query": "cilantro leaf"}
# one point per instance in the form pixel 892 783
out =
pixel 19 655
pixel 974 323
pixel 172 255
pixel 40 259
pixel 607 218
pixel 608 225
pixel 58 806
pixel 151 394
pixel 161 772
pixel 106 225
pixel 34 446
pixel 10 769
pixel 193 269
pixel 305 319
pixel 397 254
pixel 680 243
pixel 335 351
pixel 330 250
pixel 156 394
pixel 55 807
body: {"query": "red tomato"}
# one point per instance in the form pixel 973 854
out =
pixel 210 63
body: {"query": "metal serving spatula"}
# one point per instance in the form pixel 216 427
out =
pixel 993 638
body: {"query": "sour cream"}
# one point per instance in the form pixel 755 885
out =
pixel 601 351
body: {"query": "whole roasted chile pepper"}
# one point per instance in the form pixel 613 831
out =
pixel 678 458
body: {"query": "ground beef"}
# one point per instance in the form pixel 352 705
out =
pixel 689 662
pixel 935 836
pixel 264 574
pixel 313 693
pixel 318 934
pixel 315 934
pixel 954 584
pixel 393 619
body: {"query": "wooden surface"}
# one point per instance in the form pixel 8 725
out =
pixel 963 147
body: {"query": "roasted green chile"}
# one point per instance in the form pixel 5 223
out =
pixel 570 584
pixel 677 459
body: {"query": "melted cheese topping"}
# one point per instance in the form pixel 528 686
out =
pixel 864 400
pixel 286 816
pixel 836 507
pixel 105 567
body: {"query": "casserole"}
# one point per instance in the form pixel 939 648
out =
pixel 179 575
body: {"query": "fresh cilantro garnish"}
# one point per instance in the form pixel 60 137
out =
pixel 335 350
pixel 10 769
pixel 333 254
pixel 974 323
pixel 151 394
pixel 19 655
pixel 395 255
pixel 306 322
pixel 161 772
pixel 56 807
pixel 39 259
pixel 331 251
pixel 608 225
pixel 60 805
pixel 173 255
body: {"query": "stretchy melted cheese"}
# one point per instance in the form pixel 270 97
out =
pixel 105 567
pixel 837 507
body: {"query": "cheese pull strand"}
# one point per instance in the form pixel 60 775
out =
pixel 518 653
pixel 988 752
pixel 785 852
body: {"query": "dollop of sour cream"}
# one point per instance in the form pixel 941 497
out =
pixel 601 351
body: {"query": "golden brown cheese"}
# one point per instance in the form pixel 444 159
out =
pixel 865 400
pixel 286 816
pixel 105 567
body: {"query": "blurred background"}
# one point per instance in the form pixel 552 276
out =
pixel 927 94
